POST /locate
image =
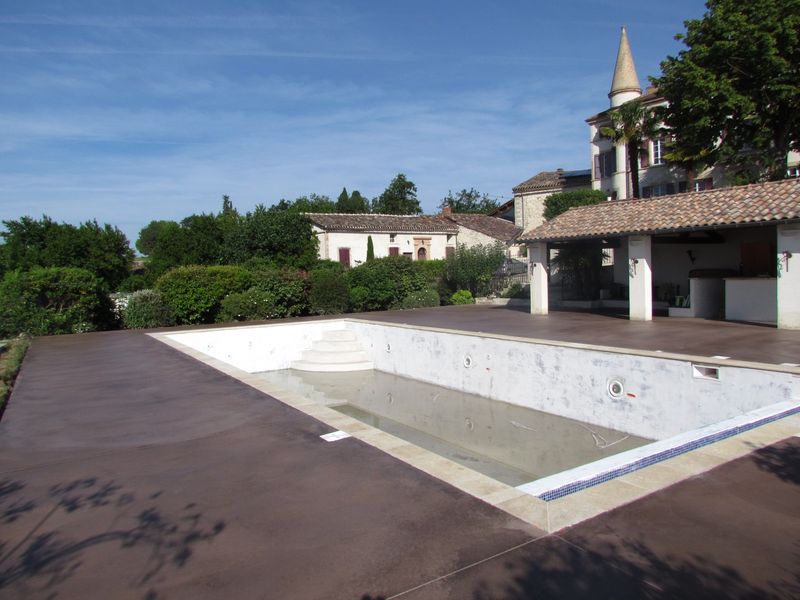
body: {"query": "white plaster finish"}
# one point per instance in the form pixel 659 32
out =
pixel 571 381
pixel 257 348
pixel 640 277
pixel 751 299
pixel 537 264
pixel 788 276
pixel 331 241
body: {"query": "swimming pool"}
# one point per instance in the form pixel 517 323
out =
pixel 677 401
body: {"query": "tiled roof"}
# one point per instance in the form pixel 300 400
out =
pixel 760 203
pixel 547 180
pixel 492 226
pixel 382 223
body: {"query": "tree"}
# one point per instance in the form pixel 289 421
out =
pixel 102 250
pixel 631 124
pixel 734 92
pixel 471 268
pixel 400 198
pixel 370 249
pixel 353 203
pixel 313 203
pixel 468 201
pixel 560 202
pixel 149 234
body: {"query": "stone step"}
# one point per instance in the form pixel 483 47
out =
pixel 334 356
pixel 301 365
pixel 336 346
pixel 339 335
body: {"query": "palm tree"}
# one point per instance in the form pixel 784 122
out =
pixel 631 124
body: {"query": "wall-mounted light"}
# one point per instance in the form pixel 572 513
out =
pixel 692 257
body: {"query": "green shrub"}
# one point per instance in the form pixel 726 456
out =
pixel 328 292
pixel 194 293
pixel 462 297
pixel 517 290
pixel 252 305
pixel 53 300
pixel 359 296
pixel 288 288
pixel 472 268
pixel 387 282
pixel 421 299
pixel 431 270
pixel 136 282
pixel 145 309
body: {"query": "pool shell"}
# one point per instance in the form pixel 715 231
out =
pixel 550 503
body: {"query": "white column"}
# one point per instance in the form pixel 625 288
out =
pixel 640 278
pixel 537 263
pixel 788 276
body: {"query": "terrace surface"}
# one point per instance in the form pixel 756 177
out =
pixel 129 470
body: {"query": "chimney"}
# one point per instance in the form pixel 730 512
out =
pixel 447 210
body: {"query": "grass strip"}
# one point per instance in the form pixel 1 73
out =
pixel 10 363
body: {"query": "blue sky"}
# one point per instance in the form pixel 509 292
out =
pixel 132 111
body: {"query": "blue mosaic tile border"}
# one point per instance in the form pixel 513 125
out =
pixel 577 486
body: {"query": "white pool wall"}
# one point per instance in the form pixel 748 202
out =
pixel 573 382
pixel 257 348
pixel 667 398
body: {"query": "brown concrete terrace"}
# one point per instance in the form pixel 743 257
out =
pixel 129 470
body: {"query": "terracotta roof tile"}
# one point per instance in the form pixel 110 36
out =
pixel 492 226
pixel 382 223
pixel 547 180
pixel 758 203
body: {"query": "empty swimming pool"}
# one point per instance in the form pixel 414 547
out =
pixel 510 443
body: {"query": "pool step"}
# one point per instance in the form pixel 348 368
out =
pixel 338 350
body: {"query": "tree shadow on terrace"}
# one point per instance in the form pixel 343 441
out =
pixel 782 460
pixel 41 555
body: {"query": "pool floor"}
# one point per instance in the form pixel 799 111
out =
pixel 509 443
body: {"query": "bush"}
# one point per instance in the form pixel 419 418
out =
pixel 145 309
pixel 252 305
pixel 194 294
pixel 328 292
pixel 472 268
pixel 431 270
pixel 421 299
pixel 53 300
pixel 136 282
pixel 359 296
pixel 386 281
pixel 516 290
pixel 288 288
pixel 462 297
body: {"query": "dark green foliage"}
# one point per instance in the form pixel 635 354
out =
pixel 136 281
pixel 313 203
pixel 194 293
pixel 631 124
pixel 370 249
pixel 102 250
pixel 284 237
pixel 145 309
pixel 400 198
pixel 354 203
pixel 734 92
pixel 462 297
pixel 198 240
pixel 472 268
pixel 384 282
pixel 328 292
pixel 149 234
pixel 555 204
pixel 421 299
pixel 517 290
pixel 252 305
pixel 468 201
pixel 431 270
pixel 52 300
pixel 288 289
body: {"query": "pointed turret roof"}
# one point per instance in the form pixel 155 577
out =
pixel 625 77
